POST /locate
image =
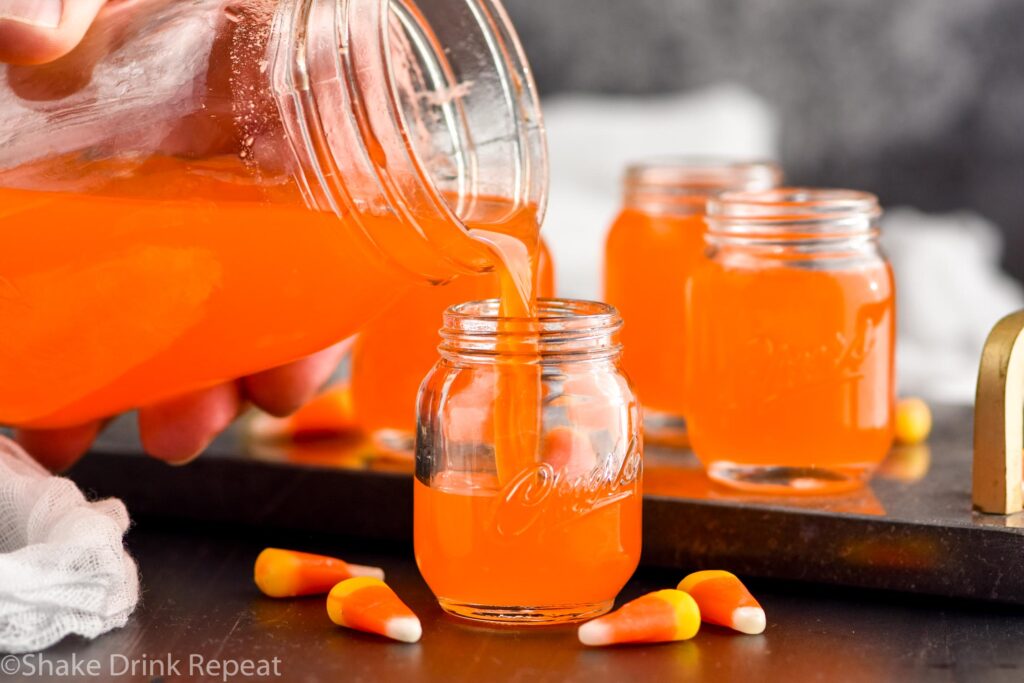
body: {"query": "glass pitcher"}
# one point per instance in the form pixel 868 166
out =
pixel 204 190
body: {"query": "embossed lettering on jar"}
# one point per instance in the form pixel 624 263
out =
pixel 791 334
pixel 559 537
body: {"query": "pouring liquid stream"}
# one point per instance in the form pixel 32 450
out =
pixel 517 409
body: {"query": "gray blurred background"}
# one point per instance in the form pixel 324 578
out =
pixel 919 101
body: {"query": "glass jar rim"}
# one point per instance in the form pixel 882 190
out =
pixel 683 184
pixel 670 172
pixel 794 213
pixel 563 327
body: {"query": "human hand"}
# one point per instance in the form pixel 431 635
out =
pixel 40 31
pixel 179 429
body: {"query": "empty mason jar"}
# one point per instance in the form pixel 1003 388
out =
pixel 555 537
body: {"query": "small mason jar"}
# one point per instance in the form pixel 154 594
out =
pixel 790 332
pixel 653 245
pixel 555 538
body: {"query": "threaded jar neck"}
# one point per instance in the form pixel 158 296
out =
pixel 415 119
pixel 816 226
pixel 683 185
pixel 564 330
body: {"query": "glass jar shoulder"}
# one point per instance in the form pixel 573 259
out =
pixel 762 285
pixel 468 385
pixel 772 262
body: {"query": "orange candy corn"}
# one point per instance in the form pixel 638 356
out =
pixel 288 573
pixel 658 617
pixel 725 601
pixel 368 604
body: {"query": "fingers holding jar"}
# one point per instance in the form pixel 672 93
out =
pixel 40 31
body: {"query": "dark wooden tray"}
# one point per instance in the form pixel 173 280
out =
pixel 911 530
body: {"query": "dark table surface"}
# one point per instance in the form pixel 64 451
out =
pixel 910 530
pixel 199 601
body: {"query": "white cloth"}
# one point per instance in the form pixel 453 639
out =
pixel 950 291
pixel 63 566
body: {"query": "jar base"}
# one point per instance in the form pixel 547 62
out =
pixel 526 616
pixel 790 480
pixel 665 429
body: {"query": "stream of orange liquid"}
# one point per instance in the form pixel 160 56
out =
pixel 395 351
pixel 517 410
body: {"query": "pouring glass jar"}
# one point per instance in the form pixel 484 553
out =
pixel 203 190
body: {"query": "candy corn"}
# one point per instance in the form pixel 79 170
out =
pixel 288 573
pixel 913 421
pixel 657 617
pixel 368 604
pixel 725 601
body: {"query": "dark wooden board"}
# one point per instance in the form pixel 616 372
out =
pixel 911 530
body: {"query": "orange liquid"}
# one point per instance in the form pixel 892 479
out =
pixel 479 546
pixel 395 351
pixel 533 534
pixel 795 365
pixel 174 275
pixel 648 258
pixel 517 408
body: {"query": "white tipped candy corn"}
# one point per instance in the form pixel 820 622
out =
pixel 288 573
pixel 724 600
pixel 658 617
pixel 368 604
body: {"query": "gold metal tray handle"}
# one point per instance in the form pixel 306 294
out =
pixel 999 420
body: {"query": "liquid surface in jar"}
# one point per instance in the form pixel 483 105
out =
pixel 795 365
pixel 648 257
pixel 173 275
pixel 395 351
